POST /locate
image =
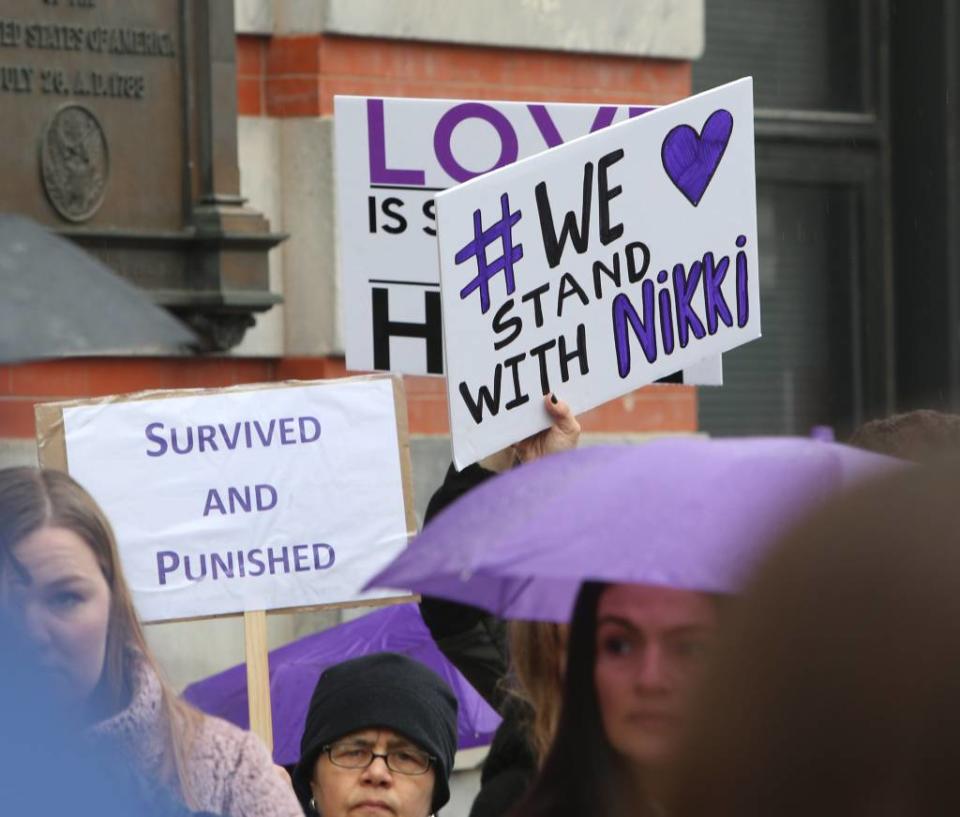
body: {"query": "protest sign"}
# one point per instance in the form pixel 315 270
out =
pixel 598 266
pixel 392 156
pixel 251 498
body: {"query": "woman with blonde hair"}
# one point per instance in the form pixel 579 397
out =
pixel 538 652
pixel 60 573
pixel 516 666
pixel 530 696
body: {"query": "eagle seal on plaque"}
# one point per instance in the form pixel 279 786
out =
pixel 74 162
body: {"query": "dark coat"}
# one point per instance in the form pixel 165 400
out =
pixel 510 766
pixel 472 639
pixel 475 642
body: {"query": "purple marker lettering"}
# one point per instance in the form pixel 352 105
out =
pixel 443 137
pixel 743 293
pixel 684 287
pixel 714 304
pixel 376 140
pixel 666 314
pixel 624 316
pixel 545 124
pixel 604 118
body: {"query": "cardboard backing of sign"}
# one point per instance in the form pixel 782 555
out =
pixel 52 448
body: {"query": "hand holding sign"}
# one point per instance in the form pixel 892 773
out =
pixel 599 266
pixel 562 435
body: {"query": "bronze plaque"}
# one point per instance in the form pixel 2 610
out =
pixel 118 128
pixel 92 99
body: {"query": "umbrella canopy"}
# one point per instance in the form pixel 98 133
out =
pixel 59 300
pixel 688 513
pixel 295 668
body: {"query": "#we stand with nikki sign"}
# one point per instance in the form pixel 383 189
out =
pixel 598 267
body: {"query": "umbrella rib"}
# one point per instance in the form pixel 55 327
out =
pixel 520 590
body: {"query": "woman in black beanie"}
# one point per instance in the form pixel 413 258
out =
pixel 379 739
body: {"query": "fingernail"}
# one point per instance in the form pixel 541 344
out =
pixel 553 399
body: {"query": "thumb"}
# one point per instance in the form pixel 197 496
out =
pixel 559 411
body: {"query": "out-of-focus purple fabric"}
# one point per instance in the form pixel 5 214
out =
pixel 295 668
pixel 689 513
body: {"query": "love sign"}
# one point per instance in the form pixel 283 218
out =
pixel 599 266
pixel 392 156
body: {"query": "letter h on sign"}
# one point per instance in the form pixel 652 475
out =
pixel 431 330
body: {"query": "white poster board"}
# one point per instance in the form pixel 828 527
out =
pixel 246 499
pixel 392 156
pixel 598 266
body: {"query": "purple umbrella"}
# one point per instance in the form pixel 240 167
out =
pixel 689 513
pixel 295 668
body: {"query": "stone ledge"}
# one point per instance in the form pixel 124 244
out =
pixel 672 29
pixel 253 16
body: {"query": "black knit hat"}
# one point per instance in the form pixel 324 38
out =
pixel 386 690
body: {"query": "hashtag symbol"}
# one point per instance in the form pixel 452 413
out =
pixel 478 249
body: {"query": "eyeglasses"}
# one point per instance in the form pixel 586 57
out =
pixel 355 756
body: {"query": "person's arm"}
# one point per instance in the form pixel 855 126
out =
pixel 472 639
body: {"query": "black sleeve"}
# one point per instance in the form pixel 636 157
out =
pixel 472 639
pixel 510 766
pixel 455 485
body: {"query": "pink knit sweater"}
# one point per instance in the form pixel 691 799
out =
pixel 231 772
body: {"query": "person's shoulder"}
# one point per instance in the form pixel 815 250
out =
pixel 455 485
pixel 225 744
pixel 239 761
pixel 216 733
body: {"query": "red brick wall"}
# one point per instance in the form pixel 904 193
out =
pixel 298 76
pixel 73 378
pixel 657 408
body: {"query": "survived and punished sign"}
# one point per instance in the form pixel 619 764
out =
pixel 599 266
pixel 247 499
pixel 392 156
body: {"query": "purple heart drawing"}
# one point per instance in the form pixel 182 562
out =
pixel 691 159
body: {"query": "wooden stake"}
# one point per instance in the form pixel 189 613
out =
pixel 258 675
pixel 52 453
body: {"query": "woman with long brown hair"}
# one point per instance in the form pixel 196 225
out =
pixel 634 655
pixel 60 573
